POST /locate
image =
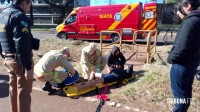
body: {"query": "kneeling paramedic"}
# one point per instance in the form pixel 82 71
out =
pixel 91 61
pixel 45 68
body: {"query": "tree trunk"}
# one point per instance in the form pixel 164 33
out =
pixel 62 16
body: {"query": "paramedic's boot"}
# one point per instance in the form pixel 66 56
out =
pixel 47 87
pixel 129 71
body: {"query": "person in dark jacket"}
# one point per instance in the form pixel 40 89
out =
pixel 185 54
pixel 116 59
pixel 17 43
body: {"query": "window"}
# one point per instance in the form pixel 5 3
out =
pixel 71 19
pixel 149 15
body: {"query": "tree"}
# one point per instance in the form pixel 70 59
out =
pixel 76 3
pixel 111 2
pixel 171 1
pixel 65 7
pixel 5 2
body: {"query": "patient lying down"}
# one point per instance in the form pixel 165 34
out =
pixel 116 75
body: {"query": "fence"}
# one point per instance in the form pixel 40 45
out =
pixel 45 19
pixel 150 45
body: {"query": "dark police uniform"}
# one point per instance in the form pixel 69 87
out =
pixel 1 51
pixel 17 43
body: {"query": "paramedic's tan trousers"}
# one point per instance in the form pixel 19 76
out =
pixel 52 77
pixel 86 71
pixel 20 88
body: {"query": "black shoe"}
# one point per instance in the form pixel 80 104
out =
pixel 48 88
pixel 129 71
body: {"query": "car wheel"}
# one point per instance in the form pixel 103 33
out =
pixel 115 38
pixel 63 36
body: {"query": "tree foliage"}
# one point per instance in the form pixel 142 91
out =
pixel 171 1
pixel 65 7
pixel 111 2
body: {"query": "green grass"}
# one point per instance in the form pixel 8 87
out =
pixel 153 85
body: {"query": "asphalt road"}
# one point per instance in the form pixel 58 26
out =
pixel 163 37
pixel 44 34
pixel 42 102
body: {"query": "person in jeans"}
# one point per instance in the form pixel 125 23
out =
pixel 185 54
pixel 17 44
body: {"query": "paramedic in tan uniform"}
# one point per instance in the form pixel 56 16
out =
pixel 91 61
pixel 45 68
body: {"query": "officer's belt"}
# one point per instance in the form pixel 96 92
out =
pixel 11 56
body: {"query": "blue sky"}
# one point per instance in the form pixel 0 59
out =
pixel 106 2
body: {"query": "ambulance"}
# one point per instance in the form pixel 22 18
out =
pixel 86 22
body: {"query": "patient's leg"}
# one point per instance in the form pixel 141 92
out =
pixel 81 86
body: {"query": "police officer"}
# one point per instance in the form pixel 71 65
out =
pixel 17 43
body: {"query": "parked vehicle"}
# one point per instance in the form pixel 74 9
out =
pixel 87 22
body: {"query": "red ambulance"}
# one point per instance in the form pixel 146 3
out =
pixel 87 22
